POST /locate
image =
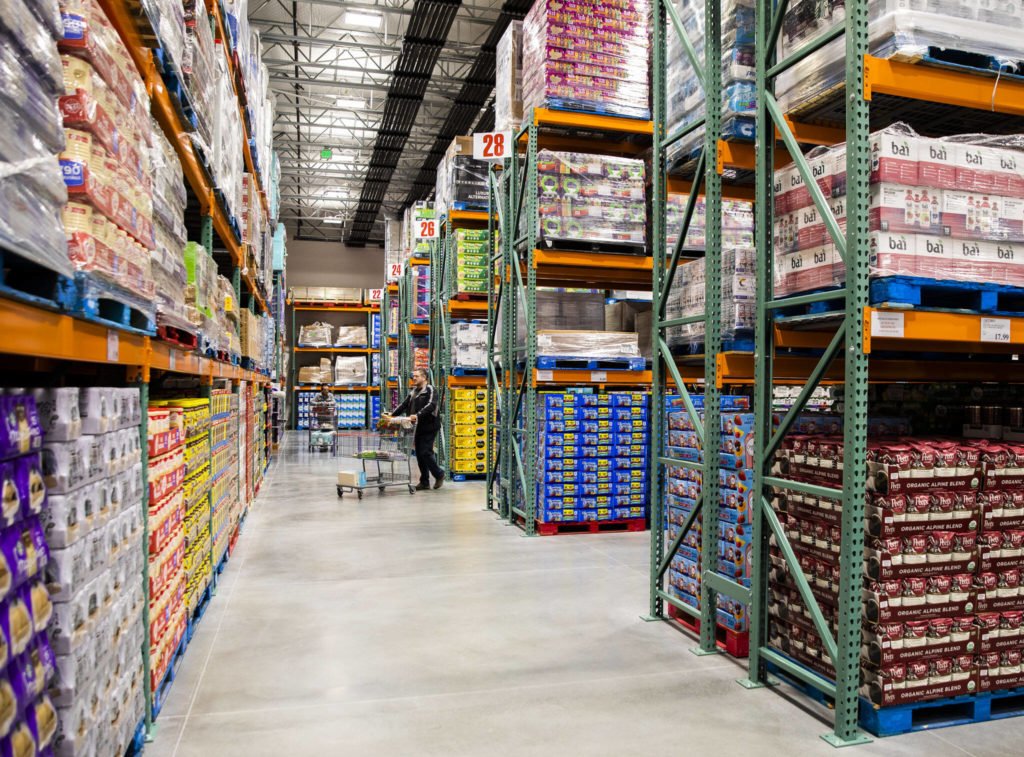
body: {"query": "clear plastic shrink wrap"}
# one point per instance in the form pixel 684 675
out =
pixel 349 369
pixel 315 335
pixel 587 55
pixel 949 209
pixel 591 198
pixel 685 96
pixel 897 28
pixel 32 191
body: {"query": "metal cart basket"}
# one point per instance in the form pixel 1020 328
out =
pixel 323 425
pixel 386 458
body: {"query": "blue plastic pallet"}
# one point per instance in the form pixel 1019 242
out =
pixel 469 371
pixel 160 695
pixel 580 106
pixel 548 362
pixel 919 716
pixel 138 742
pixel 937 294
pixel 111 305
pixel 468 206
pixel 736 344
pixel 419 320
pixel 180 96
pixel 28 281
pixel 200 611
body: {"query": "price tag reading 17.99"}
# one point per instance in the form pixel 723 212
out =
pixel 995 330
pixel 426 228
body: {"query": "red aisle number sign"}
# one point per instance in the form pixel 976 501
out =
pixel 377 294
pixel 491 145
pixel 426 228
pixel 394 273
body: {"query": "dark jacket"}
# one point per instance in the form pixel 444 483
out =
pixel 423 403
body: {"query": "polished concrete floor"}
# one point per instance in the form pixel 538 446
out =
pixel 421 625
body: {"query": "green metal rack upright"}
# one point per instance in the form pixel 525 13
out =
pixel 523 267
pixel 441 259
pixel 669 377
pixel 497 389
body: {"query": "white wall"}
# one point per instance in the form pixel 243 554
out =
pixel 333 264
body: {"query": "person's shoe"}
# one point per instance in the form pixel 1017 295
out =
pixel 439 483
pixel 421 487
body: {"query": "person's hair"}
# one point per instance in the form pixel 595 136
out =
pixel 421 371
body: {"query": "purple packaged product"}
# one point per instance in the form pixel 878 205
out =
pixel 41 717
pixel 20 429
pixel 16 623
pixel 11 509
pixel 19 742
pixel 9 705
pixel 37 599
pixel 31 489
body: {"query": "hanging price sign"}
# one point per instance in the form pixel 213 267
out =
pixel 394 272
pixel 377 294
pixel 492 145
pixel 426 228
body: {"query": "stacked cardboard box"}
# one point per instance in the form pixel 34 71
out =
pixel 683 487
pixel 468 413
pixel 592 456
pixel 461 179
pixel 508 87
pixel 471 264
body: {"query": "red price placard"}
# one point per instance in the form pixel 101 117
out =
pixel 426 228
pixel 492 145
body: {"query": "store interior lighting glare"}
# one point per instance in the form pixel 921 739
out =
pixel 358 18
pixel 350 102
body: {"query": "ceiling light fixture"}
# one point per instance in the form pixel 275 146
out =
pixel 358 18
pixel 334 219
pixel 354 103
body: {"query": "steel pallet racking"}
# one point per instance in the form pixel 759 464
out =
pixel 447 309
pixel 368 311
pixel 498 193
pixel 388 343
pixel 875 92
pixel 702 177
pixel 523 266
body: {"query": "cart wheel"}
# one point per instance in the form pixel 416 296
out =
pixel 380 489
pixel 411 490
pixel 340 493
pixel 360 494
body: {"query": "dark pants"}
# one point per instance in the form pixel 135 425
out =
pixel 425 457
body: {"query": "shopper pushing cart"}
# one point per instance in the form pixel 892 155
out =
pixel 423 407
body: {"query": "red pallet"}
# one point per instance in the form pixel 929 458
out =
pixel 733 643
pixel 177 336
pixel 590 526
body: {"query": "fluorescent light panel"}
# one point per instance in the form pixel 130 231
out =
pixel 359 18
pixel 350 102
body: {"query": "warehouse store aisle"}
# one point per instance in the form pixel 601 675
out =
pixel 419 625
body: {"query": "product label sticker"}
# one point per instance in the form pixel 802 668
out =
pixel 886 324
pixel 545 375
pixel 995 330
pixel 113 346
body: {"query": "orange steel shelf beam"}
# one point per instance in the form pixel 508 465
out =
pixel 457 381
pixel 565 118
pixel 338 308
pixel 419 261
pixel 966 90
pixel 333 388
pixel 467 215
pixel 419 328
pixel 467 306
pixel 592 260
pixel 923 331
pixel 392 288
pixel 34 332
pixel 585 376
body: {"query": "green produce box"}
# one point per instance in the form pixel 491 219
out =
pixel 472 260
pixel 472 285
pixel 471 274
pixel 463 248
pixel 471 235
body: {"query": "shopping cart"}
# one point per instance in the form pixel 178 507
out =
pixel 323 425
pixel 386 458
